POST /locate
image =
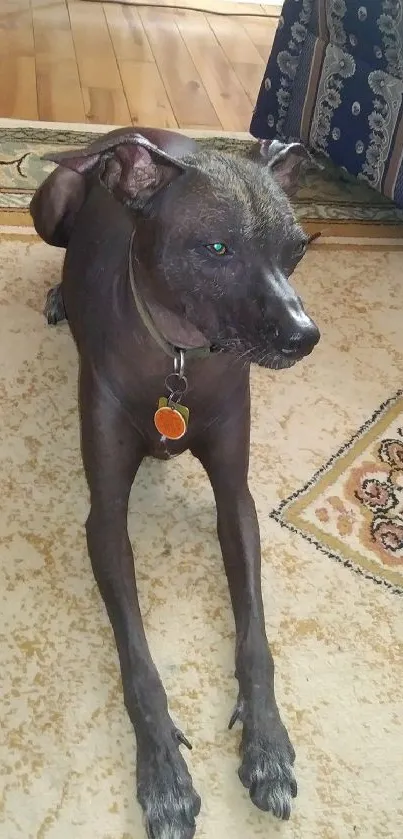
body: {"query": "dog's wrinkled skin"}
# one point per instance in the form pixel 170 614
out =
pixel 241 303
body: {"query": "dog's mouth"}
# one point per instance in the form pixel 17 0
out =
pixel 267 357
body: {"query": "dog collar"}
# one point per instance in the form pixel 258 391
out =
pixel 172 350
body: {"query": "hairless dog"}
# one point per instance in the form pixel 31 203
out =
pixel 176 280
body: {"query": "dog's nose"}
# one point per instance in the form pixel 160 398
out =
pixel 297 341
pixel 301 343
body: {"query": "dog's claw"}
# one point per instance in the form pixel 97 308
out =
pixel 234 717
pixel 182 739
pixel 237 713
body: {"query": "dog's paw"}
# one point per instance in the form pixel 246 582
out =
pixel 267 769
pixel 166 794
pixel 54 310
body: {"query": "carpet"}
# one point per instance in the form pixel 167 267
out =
pixel 326 473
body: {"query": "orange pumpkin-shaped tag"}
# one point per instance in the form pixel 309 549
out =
pixel 171 421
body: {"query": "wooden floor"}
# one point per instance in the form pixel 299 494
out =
pixel 75 61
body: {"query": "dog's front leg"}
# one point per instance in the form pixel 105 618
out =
pixel 266 752
pixel 112 453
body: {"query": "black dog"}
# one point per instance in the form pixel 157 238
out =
pixel 176 279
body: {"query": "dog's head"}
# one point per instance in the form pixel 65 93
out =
pixel 216 243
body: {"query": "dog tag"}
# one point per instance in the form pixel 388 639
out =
pixel 171 420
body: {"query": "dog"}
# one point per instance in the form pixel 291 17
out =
pixel 176 280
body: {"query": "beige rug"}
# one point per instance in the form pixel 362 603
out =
pixel 66 746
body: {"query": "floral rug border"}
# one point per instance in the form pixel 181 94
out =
pixel 281 514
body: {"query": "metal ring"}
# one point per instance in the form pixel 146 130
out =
pixel 179 364
pixel 176 384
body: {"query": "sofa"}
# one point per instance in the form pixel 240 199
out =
pixel 334 80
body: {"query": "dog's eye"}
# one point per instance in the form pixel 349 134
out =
pixel 218 249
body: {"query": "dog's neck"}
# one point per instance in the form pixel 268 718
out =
pixel 170 349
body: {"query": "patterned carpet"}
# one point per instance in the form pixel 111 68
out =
pixel 352 509
pixel 327 476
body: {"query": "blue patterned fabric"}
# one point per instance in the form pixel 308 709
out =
pixel 335 81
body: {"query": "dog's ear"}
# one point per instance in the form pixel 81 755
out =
pixel 55 205
pixel 131 167
pixel 286 161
